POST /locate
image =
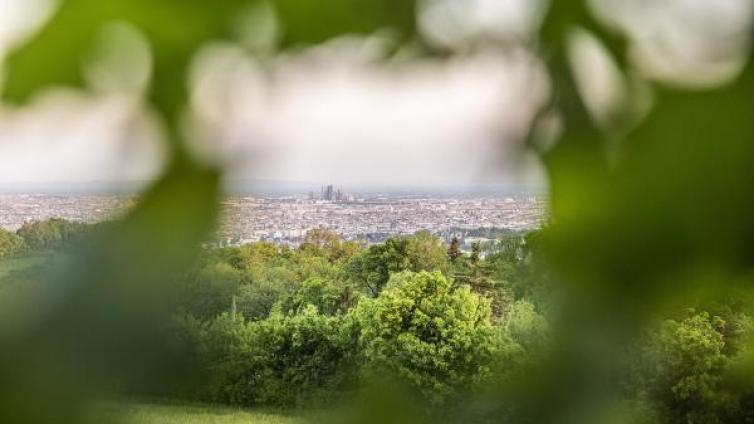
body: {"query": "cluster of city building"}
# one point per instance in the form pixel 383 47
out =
pixel 286 219
pixel 17 209
pixel 329 194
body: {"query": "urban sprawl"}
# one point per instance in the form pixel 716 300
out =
pixel 286 219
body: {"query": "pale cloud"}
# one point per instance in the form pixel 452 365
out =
pixel 453 23
pixel 339 113
pixel 18 18
pixel 68 137
pixel 336 112
pixel 688 42
pixel 325 116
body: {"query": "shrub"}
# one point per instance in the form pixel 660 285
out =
pixel 325 243
pixel 323 294
pixel 10 244
pixel 420 331
pixel 681 367
pixel 51 233
pixel 422 251
pixel 256 300
pixel 209 291
pixel 282 361
pixel 524 326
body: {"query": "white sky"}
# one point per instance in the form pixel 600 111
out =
pixel 332 113
pixel 338 120
pixel 330 116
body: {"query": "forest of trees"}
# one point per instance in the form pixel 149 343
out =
pixel 307 327
pixel 53 233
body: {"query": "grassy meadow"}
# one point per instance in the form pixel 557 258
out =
pixel 21 263
pixel 152 413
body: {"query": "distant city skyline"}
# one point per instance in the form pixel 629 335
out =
pixel 268 187
pixel 286 219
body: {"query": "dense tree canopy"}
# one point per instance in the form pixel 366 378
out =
pixel 271 325
pixel 10 243
pixel 50 233
pixel 424 332
pixel 419 252
pixel 284 360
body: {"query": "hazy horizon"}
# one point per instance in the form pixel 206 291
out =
pixel 264 186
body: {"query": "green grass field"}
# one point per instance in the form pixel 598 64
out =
pixel 10 265
pixel 142 413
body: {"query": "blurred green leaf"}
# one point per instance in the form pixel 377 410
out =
pixel 98 319
pixel 175 30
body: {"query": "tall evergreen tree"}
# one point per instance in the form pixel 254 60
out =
pixel 454 251
pixel 476 252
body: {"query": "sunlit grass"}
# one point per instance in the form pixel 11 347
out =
pixel 147 413
pixel 10 265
